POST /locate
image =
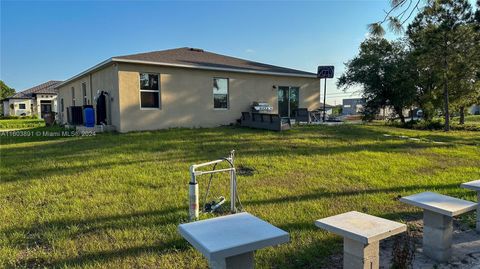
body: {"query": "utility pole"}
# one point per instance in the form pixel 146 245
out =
pixel 324 72
pixel 324 99
pixel 445 84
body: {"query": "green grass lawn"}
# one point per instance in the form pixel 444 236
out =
pixel 470 119
pixel 21 123
pixel 115 200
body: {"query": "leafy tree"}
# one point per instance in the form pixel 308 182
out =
pixel 465 69
pixel 437 36
pixel 337 110
pixel 384 70
pixel 5 90
pixel 477 13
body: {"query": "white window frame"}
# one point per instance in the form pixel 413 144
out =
pixel 19 104
pixel 228 95
pixel 140 90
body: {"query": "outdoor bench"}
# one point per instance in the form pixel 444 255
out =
pixel 475 186
pixel 361 236
pixel 229 242
pixel 438 213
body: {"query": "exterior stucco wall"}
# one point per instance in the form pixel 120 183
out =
pixel 16 111
pixel 45 97
pixel 6 108
pixel 475 110
pixel 186 96
pixel 105 79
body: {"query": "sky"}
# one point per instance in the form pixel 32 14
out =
pixel 55 40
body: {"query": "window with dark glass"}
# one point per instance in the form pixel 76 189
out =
pixel 21 106
pixel 220 93
pixel 149 90
pixel 62 106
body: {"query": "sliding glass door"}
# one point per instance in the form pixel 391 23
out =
pixel 288 100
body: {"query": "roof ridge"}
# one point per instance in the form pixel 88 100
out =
pixel 242 59
pixel 36 89
pixel 153 51
pixel 181 56
pixel 187 57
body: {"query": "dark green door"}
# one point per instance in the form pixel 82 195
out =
pixel 288 100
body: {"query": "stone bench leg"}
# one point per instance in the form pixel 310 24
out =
pixel 357 255
pixel 242 261
pixel 437 236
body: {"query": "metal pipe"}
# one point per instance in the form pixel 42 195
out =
pixel 193 184
pixel 194 166
pixel 193 205
pixel 199 173
pixel 233 184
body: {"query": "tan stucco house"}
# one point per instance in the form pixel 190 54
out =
pixel 183 87
pixel 38 100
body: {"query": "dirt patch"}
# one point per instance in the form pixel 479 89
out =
pixel 243 170
pixel 466 250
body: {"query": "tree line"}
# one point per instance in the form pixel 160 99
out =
pixel 434 65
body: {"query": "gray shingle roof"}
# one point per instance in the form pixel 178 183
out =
pixel 203 59
pixel 47 87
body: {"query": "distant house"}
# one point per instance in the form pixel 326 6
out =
pixel 352 106
pixel 474 110
pixel 37 100
pixel 184 87
pixel 328 109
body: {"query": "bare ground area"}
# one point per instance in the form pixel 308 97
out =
pixel 466 250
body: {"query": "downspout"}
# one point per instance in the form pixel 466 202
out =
pixel 110 102
pixel 91 97
pixel 91 89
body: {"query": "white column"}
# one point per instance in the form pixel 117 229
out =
pixel 357 255
pixel 437 235
pixel 478 211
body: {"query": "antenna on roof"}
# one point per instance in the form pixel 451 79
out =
pixel 196 49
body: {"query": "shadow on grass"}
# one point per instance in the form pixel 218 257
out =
pixel 103 256
pixel 306 257
pixel 35 235
pixel 107 255
pixel 187 146
pixel 168 216
pixel 321 193
pixel 190 146
pixel 315 255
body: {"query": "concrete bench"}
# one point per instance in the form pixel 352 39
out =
pixel 438 212
pixel 475 186
pixel 229 241
pixel 361 236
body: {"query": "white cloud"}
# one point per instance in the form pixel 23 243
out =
pixel 250 51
